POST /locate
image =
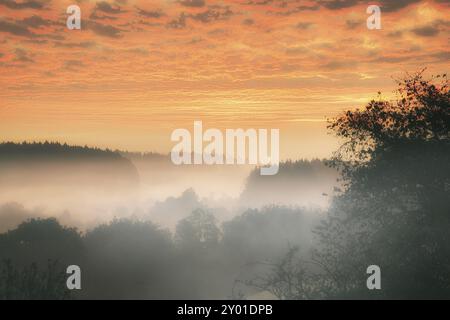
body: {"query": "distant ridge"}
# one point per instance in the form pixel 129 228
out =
pixel 36 150
pixel 53 162
pixel 301 181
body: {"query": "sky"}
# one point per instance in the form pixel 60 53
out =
pixel 137 70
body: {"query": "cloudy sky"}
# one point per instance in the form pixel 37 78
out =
pixel 139 69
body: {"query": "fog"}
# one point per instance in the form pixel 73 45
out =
pixel 141 227
pixel 83 191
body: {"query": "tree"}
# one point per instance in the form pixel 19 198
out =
pixel 394 209
pixel 128 259
pixel 31 282
pixel 290 278
pixel 34 258
pixel 199 230
pixel 38 240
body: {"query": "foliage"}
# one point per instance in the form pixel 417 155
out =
pixel 394 210
pixel 32 282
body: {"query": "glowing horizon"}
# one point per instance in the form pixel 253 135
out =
pixel 139 69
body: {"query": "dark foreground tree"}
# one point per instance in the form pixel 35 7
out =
pixel 394 211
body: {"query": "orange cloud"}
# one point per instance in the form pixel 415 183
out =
pixel 142 67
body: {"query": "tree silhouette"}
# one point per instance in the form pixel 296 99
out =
pixel 394 210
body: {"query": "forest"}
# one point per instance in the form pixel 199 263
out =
pixel 389 207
